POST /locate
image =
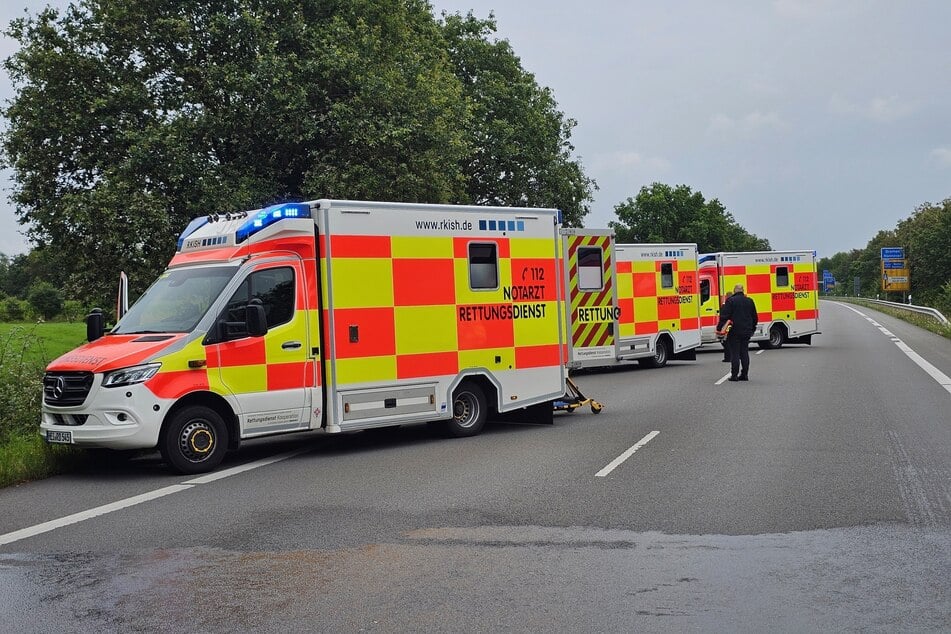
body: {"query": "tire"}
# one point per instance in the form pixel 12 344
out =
pixel 195 440
pixel 469 411
pixel 776 338
pixel 661 355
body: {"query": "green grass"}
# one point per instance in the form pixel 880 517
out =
pixel 918 319
pixel 40 343
pixel 26 456
pixel 25 350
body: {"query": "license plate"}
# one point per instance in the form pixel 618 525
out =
pixel 59 437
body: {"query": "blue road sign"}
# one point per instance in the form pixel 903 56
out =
pixel 893 253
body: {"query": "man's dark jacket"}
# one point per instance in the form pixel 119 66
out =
pixel 742 311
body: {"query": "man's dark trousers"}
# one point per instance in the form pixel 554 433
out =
pixel 739 354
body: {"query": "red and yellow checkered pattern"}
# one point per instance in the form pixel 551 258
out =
pixel 403 307
pixel 796 301
pixel 647 307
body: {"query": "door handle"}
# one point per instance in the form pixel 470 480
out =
pixel 290 345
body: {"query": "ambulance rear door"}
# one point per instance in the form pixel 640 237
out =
pixel 591 297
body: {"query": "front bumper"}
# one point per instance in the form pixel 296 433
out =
pixel 128 417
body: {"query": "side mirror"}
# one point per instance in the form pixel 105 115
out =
pixel 256 320
pixel 95 325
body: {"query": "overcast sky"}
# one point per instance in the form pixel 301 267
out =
pixel 815 122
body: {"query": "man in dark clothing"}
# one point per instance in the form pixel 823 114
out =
pixel 740 310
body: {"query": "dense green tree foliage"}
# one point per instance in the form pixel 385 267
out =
pixel 661 213
pixel 521 149
pixel 926 238
pixel 132 118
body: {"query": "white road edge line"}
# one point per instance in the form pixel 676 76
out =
pixel 723 378
pixel 75 518
pixel 624 456
pixel 943 379
pixel 759 352
pixel 82 516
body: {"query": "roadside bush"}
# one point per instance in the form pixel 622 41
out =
pixel 73 310
pixel 943 300
pixel 14 309
pixel 21 383
pixel 46 300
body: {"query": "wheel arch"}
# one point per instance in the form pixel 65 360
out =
pixel 213 401
pixel 490 388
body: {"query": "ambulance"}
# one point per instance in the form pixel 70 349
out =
pixel 629 302
pixel 782 284
pixel 328 315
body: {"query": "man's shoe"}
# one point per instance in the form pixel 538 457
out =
pixel 733 378
pixel 743 378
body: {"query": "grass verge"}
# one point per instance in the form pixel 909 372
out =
pixel 25 350
pixel 922 321
pixel 25 457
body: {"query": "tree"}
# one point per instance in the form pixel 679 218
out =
pixel 131 118
pixel 661 213
pixel 521 143
pixel 926 234
pixel 46 300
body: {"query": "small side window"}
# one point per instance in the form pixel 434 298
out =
pixel 704 291
pixel 590 271
pixel 782 276
pixel 666 275
pixel 483 266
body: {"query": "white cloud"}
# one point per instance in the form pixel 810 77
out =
pixel 942 155
pixel 881 109
pixel 748 124
pixel 629 161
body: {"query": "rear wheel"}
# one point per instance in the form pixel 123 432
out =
pixel 469 411
pixel 777 335
pixel 661 355
pixel 195 440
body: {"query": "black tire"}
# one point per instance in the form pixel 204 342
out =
pixel 195 440
pixel 469 411
pixel 661 355
pixel 776 337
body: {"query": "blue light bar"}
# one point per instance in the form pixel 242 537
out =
pixel 268 216
pixel 192 227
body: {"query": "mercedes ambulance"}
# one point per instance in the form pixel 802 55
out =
pixel 327 315
pixel 782 284
pixel 629 302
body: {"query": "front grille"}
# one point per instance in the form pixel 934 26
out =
pixel 64 389
pixel 71 420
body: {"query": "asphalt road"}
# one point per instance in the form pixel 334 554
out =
pixel 817 496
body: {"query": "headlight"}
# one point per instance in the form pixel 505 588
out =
pixel 128 376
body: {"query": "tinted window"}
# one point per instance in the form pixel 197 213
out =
pixel 782 276
pixel 666 275
pixel 483 266
pixel 590 271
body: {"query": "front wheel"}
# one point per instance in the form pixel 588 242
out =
pixel 469 411
pixel 195 440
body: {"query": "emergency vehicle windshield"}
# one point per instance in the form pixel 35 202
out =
pixel 176 301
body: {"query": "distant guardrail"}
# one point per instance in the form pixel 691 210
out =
pixel 921 310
